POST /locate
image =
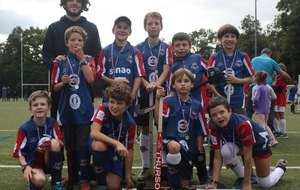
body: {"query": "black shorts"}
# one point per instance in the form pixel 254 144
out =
pixel 143 120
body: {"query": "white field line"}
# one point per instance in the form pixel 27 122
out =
pixel 136 167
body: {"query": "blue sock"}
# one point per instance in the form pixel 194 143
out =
pixel 84 165
pixel 174 177
pixel 99 161
pixel 56 163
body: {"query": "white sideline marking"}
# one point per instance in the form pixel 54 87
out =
pixel 137 167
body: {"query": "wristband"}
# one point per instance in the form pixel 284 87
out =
pixel 83 63
pixel 23 167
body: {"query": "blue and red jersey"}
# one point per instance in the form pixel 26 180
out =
pixel 240 66
pixel 241 131
pixel 29 135
pixel 81 105
pixel 183 123
pixel 121 62
pixel 123 131
pixel 197 65
pixel 155 57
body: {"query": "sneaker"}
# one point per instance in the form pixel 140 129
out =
pixel 281 164
pixel 57 186
pixel 144 175
pixel 277 134
pixel 85 186
pixel 32 187
pixel 204 181
pixel 209 173
pixel 273 143
pixel 238 184
pixel 284 136
pixel 253 178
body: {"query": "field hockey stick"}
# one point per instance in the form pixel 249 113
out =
pixel 141 186
pixel 69 148
pixel 158 159
pixel 151 135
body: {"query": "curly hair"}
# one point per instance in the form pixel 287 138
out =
pixel 85 4
pixel 119 92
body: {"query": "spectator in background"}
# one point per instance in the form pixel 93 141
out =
pixel 292 93
pixel 4 93
pixel 265 63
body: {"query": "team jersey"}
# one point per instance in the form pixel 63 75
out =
pixel 155 58
pixel 183 122
pixel 240 66
pixel 123 131
pixel 197 65
pixel 125 62
pixel 81 108
pixel 281 96
pixel 292 93
pixel 241 131
pixel 29 135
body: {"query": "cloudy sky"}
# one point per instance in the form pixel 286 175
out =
pixel 178 15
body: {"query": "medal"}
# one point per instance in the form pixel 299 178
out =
pixel 156 71
pixel 113 76
pixel 234 163
pixel 76 86
pixel 115 158
pixel 187 137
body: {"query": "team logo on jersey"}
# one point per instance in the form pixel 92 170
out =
pixel 75 101
pixel 153 77
pixel 182 126
pixel 74 81
pixel 239 63
pixel 213 140
pixel 194 66
pixel 100 115
pixel 152 61
pixel 130 59
pixel 184 145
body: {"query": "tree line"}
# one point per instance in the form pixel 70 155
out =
pixel 282 37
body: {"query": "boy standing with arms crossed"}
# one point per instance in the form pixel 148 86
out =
pixel 157 58
pixel 38 145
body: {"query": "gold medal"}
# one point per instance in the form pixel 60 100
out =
pixel 76 87
pixel 115 158
pixel 113 76
pixel 156 71
pixel 187 137
pixel 234 163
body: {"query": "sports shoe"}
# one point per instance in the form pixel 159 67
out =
pixel 32 187
pixel 57 186
pixel 277 134
pixel 281 164
pixel 284 136
pixel 238 184
pixel 85 186
pixel 144 175
pixel 253 178
pixel 273 143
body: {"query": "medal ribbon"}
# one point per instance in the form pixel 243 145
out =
pixel 182 112
pixel 114 65
pixel 150 48
pixel 225 62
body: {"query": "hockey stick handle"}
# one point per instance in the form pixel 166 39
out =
pixel 158 159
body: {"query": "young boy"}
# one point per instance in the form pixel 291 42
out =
pixel 112 138
pixel 238 68
pixel 235 134
pixel 182 45
pixel 38 145
pixel 72 78
pixel 157 58
pixel 183 129
pixel 120 62
pixel 292 94
pixel 280 104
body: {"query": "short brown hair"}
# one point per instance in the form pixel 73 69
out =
pixel 181 36
pixel 119 92
pixel 155 15
pixel 75 29
pixel 39 94
pixel 85 4
pixel 182 71
pixel 228 28
pixel 217 101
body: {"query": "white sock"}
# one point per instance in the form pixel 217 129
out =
pixel 144 150
pixel 275 125
pixel 283 126
pixel 271 179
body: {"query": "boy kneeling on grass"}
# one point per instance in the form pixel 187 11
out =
pixel 234 135
pixel 38 145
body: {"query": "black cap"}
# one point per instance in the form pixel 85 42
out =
pixel 123 19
